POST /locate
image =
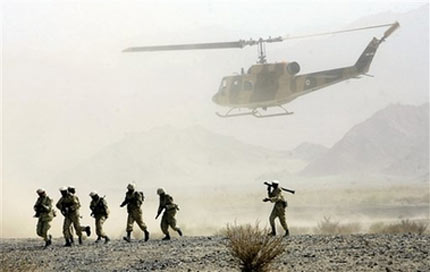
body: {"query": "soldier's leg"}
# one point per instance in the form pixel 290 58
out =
pixel 171 220
pixel 99 226
pixel 138 218
pixel 66 227
pixel 129 228
pixel 39 228
pixel 272 222
pixel 130 222
pixel 76 224
pixel 283 222
pixel 164 225
pixel 66 230
pixel 45 228
pixel 137 215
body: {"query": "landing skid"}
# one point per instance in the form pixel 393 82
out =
pixel 253 112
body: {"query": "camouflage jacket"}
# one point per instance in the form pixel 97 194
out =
pixel 276 197
pixel 69 204
pixel 133 200
pixel 99 207
pixel 43 208
pixel 166 202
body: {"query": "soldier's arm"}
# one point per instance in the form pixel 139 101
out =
pixel 125 202
pixel 47 206
pixel 92 205
pixel 60 204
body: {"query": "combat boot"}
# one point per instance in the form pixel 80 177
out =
pixel 107 239
pixel 68 243
pixel 128 239
pixel 88 231
pixel 49 242
pixel 146 235
pixel 166 238
pixel 98 239
pixel 46 244
pixel 72 241
pixel 80 240
pixel 273 232
pixel 179 232
pixel 287 233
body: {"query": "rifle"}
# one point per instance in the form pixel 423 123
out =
pixel 284 189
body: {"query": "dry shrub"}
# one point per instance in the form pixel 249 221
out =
pixel 404 226
pixel 327 226
pixel 253 248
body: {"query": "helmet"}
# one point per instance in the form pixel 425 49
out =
pixel 275 182
pixel 160 191
pixel 131 186
pixel 71 187
pixel 40 191
pixel 63 189
pixel 93 194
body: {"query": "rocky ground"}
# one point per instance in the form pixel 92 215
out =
pixel 366 252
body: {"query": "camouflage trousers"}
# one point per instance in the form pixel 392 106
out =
pixel 167 220
pixel 99 226
pixel 278 213
pixel 68 221
pixel 135 216
pixel 42 228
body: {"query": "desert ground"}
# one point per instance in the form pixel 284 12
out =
pixel 359 252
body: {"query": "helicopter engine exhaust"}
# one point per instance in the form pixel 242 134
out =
pixel 293 68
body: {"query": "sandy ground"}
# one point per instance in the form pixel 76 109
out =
pixel 364 252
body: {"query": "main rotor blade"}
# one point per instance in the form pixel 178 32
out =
pixel 336 32
pixel 194 46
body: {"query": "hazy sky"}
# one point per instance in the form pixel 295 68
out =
pixel 68 91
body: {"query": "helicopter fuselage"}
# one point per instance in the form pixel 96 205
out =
pixel 274 84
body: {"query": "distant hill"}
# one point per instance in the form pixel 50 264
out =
pixel 307 151
pixel 394 141
pixel 176 157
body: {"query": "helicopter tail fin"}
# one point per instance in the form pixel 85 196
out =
pixel 363 63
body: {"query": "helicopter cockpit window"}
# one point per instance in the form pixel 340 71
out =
pixel 247 86
pixel 223 87
pixel 236 85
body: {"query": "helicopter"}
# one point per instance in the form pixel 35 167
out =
pixel 268 85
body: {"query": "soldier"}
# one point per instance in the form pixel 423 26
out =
pixel 45 214
pixel 168 219
pixel 100 211
pixel 134 200
pixel 275 196
pixel 69 206
pixel 71 190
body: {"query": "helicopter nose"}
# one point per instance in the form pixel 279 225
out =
pixel 215 98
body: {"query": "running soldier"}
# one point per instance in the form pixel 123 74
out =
pixel 69 206
pixel 45 214
pixel 134 200
pixel 168 218
pixel 100 212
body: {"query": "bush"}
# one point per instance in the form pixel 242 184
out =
pixel 326 226
pixel 404 226
pixel 253 248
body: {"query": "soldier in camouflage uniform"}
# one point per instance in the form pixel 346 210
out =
pixel 275 196
pixel 69 206
pixel 168 219
pixel 100 211
pixel 71 190
pixel 134 200
pixel 45 214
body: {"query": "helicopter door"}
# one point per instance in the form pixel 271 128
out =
pixel 235 88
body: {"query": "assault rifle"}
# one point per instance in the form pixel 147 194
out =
pixel 284 189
